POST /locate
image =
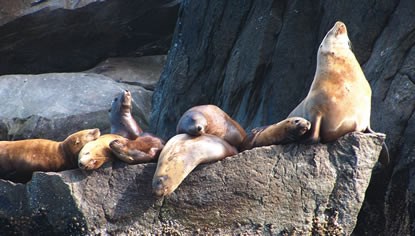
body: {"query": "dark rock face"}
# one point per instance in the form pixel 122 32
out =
pixel 268 190
pixel 66 36
pixel 257 60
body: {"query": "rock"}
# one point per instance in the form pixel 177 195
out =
pixel 41 36
pixel 54 105
pixel 257 60
pixel 268 190
pixel 141 71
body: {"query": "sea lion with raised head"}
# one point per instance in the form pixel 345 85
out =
pixel 143 149
pixel 19 159
pixel 181 154
pixel 121 120
pixel 339 100
pixel 283 132
pixel 210 119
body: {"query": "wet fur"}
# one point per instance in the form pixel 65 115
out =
pixel 122 122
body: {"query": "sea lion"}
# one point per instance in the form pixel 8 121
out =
pixel 19 159
pixel 210 119
pixel 94 154
pixel 122 122
pixel 181 154
pixel 339 100
pixel 283 132
pixel 143 149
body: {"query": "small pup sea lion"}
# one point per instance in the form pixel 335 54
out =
pixel 181 154
pixel 339 100
pixel 19 159
pixel 143 149
pixel 283 132
pixel 121 119
pixel 210 119
pixel 94 154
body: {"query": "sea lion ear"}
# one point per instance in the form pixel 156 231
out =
pixel 77 141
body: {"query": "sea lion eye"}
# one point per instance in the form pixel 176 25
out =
pixel 199 128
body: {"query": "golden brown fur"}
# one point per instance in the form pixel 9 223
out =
pixel 181 154
pixel 339 100
pixel 210 119
pixel 94 154
pixel 143 149
pixel 19 159
pixel 283 132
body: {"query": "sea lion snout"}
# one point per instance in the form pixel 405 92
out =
pixel 159 186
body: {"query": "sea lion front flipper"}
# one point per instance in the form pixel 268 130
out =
pixel 130 156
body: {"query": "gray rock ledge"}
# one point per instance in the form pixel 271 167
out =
pixel 269 190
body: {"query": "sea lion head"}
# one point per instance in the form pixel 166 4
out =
pixel 121 103
pixel 181 154
pixel 76 141
pixel 94 154
pixel 296 127
pixel 336 39
pixel 193 123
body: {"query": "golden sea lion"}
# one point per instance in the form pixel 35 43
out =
pixel 19 159
pixel 339 100
pixel 121 120
pixel 94 154
pixel 283 132
pixel 181 154
pixel 143 149
pixel 210 119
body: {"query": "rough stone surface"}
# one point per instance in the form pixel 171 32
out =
pixel 257 60
pixel 38 36
pixel 141 71
pixel 268 190
pixel 54 105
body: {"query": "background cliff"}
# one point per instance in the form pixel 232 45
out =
pixel 254 59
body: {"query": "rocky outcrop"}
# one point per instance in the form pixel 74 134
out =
pixel 43 36
pixel 45 106
pixel 56 104
pixel 257 60
pixel 269 190
pixel 141 71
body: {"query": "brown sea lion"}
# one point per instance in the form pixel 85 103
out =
pixel 181 154
pixel 122 122
pixel 143 149
pixel 94 154
pixel 339 99
pixel 19 159
pixel 210 119
pixel 283 132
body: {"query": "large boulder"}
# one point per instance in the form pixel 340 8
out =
pixel 141 71
pixel 54 105
pixel 257 60
pixel 271 190
pixel 41 36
